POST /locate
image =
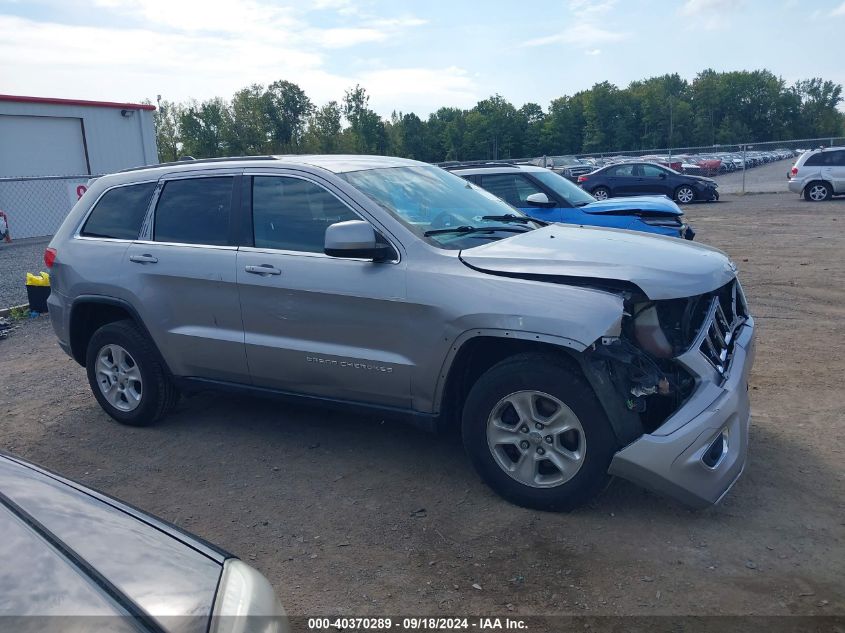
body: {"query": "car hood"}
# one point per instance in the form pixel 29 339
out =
pixel 662 267
pixel 64 539
pixel 653 205
pixel 701 179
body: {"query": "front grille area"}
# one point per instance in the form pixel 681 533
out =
pixel 726 314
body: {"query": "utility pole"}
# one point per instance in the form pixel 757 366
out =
pixel 744 166
pixel 671 124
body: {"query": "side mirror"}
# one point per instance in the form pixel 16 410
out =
pixel 662 176
pixel 356 238
pixel 539 200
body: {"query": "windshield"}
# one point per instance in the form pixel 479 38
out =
pixel 564 188
pixel 427 198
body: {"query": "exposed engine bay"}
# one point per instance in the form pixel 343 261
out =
pixel 642 361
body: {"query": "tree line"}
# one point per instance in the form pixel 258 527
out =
pixel 660 112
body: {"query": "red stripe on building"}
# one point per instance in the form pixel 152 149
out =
pixel 77 102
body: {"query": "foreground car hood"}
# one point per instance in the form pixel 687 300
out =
pixel 653 205
pixel 662 267
pixel 150 564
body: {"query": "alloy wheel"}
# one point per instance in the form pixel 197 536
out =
pixel 818 193
pixel 536 439
pixel 118 377
pixel 601 194
pixel 686 195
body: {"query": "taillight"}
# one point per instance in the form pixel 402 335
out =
pixel 49 257
pixel 582 179
pixel 794 171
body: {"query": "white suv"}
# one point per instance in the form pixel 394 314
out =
pixel 819 174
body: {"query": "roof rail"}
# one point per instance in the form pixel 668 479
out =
pixel 474 164
pixel 199 161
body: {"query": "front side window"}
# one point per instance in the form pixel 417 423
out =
pixel 292 214
pixel 512 188
pixel 194 211
pixel 119 213
pixel 652 171
pixel 564 188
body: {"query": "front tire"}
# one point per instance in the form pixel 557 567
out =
pixel 536 434
pixel 601 193
pixel 126 376
pixel 684 194
pixel 817 192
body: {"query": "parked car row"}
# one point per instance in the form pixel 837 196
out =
pixel 696 164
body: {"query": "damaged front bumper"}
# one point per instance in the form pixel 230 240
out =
pixel 698 453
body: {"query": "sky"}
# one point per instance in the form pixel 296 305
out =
pixel 411 56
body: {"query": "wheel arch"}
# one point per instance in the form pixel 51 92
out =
pixel 818 181
pixel 477 351
pixel 88 313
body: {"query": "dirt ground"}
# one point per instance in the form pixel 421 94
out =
pixel 354 515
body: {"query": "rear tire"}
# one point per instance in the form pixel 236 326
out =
pixel 126 375
pixel 601 193
pixel 818 191
pixel 534 407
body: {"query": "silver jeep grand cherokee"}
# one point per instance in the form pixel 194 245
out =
pixel 564 353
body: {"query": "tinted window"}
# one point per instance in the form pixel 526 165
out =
pixel 293 214
pixel 512 188
pixel 119 212
pixel 816 160
pixel 651 171
pixel 194 211
pixel 836 159
pixel 621 170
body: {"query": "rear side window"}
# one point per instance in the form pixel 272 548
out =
pixel 194 211
pixel 816 160
pixel 621 170
pixel 119 213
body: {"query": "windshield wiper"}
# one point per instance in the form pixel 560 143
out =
pixel 510 217
pixel 476 229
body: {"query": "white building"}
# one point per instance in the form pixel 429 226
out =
pixel 49 148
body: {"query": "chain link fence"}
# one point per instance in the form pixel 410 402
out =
pixel 36 206
pixel 738 168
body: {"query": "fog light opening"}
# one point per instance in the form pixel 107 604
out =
pixel 717 450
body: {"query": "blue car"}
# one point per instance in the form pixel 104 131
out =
pixel 545 195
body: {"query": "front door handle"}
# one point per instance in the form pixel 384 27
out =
pixel 143 259
pixel 263 269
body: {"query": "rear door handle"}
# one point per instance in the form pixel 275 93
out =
pixel 143 259
pixel 263 269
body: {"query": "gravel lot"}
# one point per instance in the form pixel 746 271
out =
pixel 769 178
pixel 17 258
pixel 355 515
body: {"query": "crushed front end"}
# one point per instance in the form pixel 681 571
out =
pixel 682 368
